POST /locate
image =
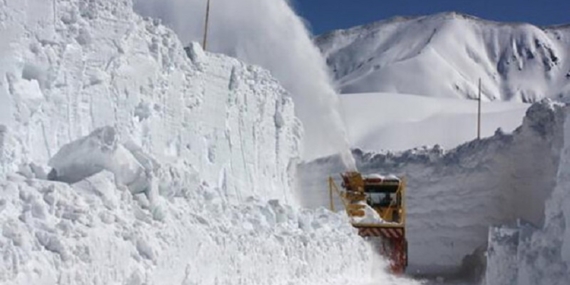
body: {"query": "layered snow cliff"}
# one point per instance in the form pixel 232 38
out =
pixel 444 55
pixel 271 35
pixel 97 64
pixel 117 104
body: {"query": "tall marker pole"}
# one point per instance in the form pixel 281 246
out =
pixel 479 112
pixel 206 25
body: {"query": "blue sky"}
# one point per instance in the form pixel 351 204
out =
pixel 326 15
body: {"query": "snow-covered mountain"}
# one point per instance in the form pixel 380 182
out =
pixel 444 55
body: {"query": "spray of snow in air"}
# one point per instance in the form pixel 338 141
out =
pixel 270 34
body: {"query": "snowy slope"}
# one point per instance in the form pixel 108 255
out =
pixel 220 136
pixel 398 122
pixel 444 55
pixel 453 197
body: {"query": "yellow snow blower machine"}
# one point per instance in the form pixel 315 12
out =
pixel 376 207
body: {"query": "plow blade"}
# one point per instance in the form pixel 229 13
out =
pixel 389 242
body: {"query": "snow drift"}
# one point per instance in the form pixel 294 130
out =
pixel 95 233
pixel 269 34
pixel 398 122
pixel 454 196
pixel 444 55
pixel 116 105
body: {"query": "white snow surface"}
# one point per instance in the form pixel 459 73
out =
pixel 398 122
pixel 525 255
pixel 107 95
pixel 99 64
pixel 444 55
pixel 269 34
pixel 94 233
pixel 370 216
pixel 545 257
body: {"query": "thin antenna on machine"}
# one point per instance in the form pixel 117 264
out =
pixel 206 25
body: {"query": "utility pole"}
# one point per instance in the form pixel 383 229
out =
pixel 479 112
pixel 331 193
pixel 206 25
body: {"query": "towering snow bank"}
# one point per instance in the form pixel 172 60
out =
pixel 77 66
pixel 544 255
pixel 444 55
pixel 454 196
pixel 222 133
pixel 270 34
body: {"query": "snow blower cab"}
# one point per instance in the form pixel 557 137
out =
pixel 384 195
pixel 375 205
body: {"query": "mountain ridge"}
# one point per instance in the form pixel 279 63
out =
pixel 447 14
pixel 516 61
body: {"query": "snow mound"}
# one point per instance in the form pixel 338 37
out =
pixel 99 64
pixel 370 216
pixel 444 55
pixel 116 105
pixel 95 233
pixel 454 196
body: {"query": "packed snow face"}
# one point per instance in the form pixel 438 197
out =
pixel 542 256
pixel 454 196
pixel 97 64
pixel 398 122
pixel 521 254
pixel 269 34
pixel 102 96
pixel 444 55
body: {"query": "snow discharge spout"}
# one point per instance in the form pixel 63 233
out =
pixel 269 34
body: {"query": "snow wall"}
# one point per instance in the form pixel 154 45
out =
pixel 272 35
pixel 97 64
pixel 223 134
pixel 455 196
pixel 539 255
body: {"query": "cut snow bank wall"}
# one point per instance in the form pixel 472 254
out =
pixel 224 136
pixel 453 197
pixel 543 255
pixel 269 34
pixel 447 53
pixel 93 64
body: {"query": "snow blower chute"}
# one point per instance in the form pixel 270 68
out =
pixel 376 207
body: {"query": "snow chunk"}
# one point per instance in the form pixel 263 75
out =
pixel 370 216
pixel 195 53
pixel 101 150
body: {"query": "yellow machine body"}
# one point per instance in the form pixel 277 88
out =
pixel 386 197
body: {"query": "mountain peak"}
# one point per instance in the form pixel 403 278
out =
pixel 444 55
